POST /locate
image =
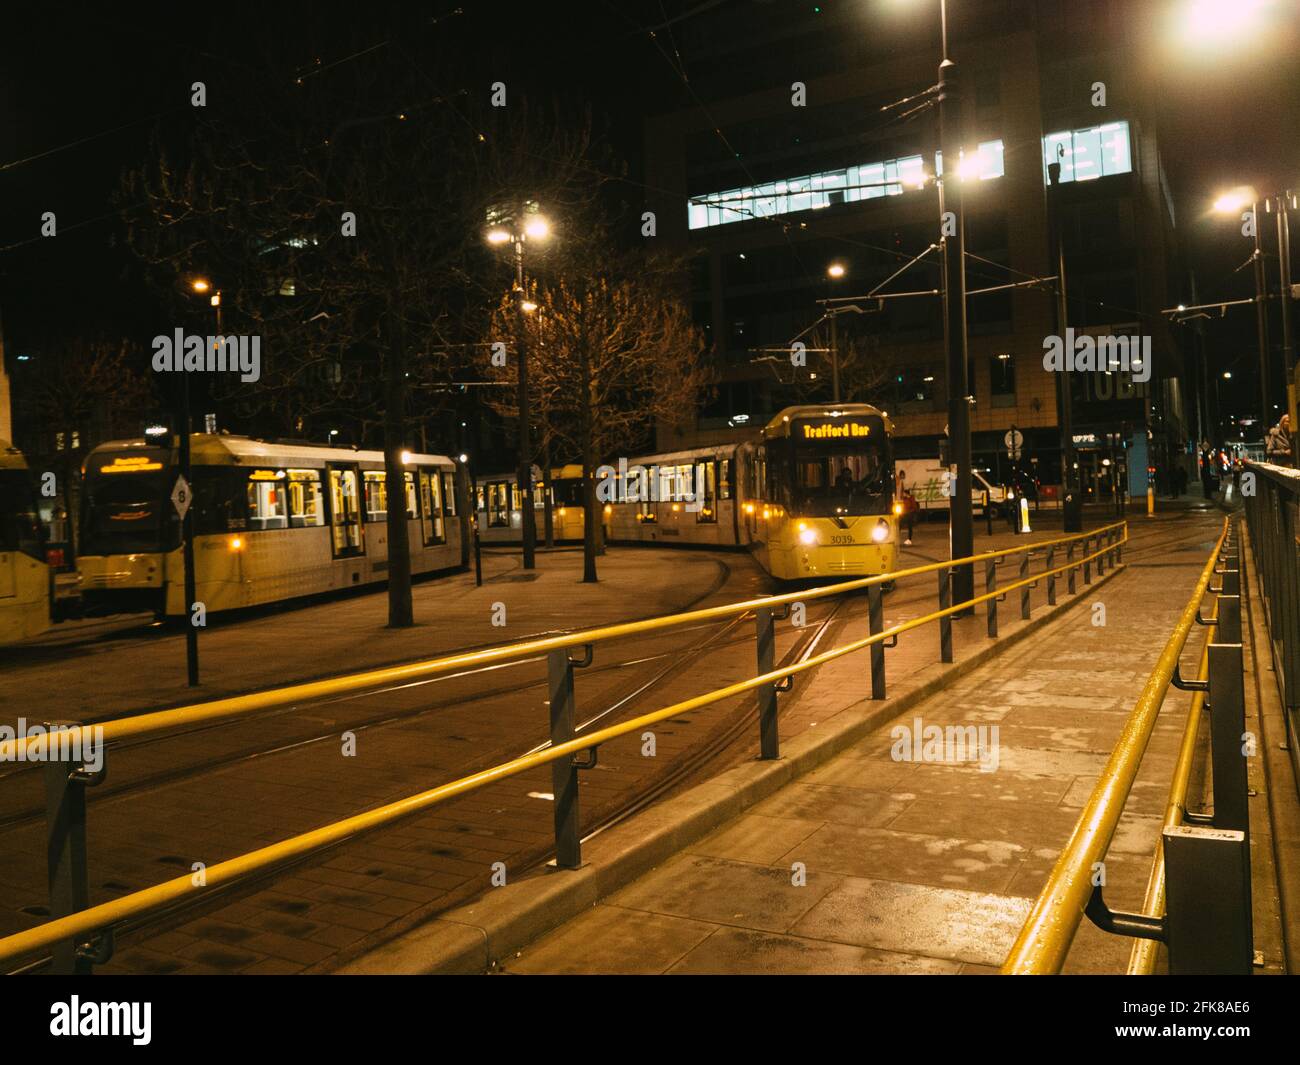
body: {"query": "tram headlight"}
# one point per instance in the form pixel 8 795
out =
pixel 807 536
pixel 881 532
pixel 898 508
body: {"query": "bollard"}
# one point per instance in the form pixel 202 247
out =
pixel 65 833
pixel 1051 577
pixel 564 771
pixel 875 625
pixel 765 631
pixel 1227 724
pixel 991 586
pixel 1208 910
pixel 945 622
pixel 1069 573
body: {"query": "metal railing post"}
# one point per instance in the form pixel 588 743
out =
pixel 1069 573
pixel 564 772
pixel 65 838
pixel 945 622
pixel 1024 591
pixel 1051 577
pixel 991 586
pixel 1227 725
pixel 1208 910
pixel 876 625
pixel 765 633
pixel 1087 562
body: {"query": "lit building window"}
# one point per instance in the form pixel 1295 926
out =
pixel 1088 154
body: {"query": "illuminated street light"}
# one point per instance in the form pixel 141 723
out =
pixel 537 228
pixel 498 235
pixel 1234 200
pixel 835 270
pixel 200 285
pixel 1227 375
pixel 528 306
pixel 1215 23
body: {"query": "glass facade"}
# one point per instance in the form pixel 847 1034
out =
pixel 1086 154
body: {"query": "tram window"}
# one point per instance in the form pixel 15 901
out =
pixel 567 492
pixel 724 478
pixel 376 495
pixel 705 478
pixel 412 504
pixel 345 512
pixel 498 510
pixel 516 498
pixel 431 524
pixel 219 500
pixel 306 505
pixel 448 494
pixel 20 527
pixel 840 481
pixel 478 497
pixel 267 505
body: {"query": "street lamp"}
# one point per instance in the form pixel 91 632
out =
pixel 835 271
pixel 517 227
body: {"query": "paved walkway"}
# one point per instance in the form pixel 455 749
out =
pixel 874 864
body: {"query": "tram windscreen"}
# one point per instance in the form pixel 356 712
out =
pixel 836 474
pixel 127 512
pixel 20 526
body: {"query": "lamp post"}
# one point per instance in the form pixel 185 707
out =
pixel 524 225
pixel 1072 503
pixel 835 272
pixel 961 529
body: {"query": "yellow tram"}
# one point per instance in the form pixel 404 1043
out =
pixel 26 581
pixel 271 522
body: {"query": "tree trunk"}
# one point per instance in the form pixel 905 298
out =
pixel 590 504
pixel 400 612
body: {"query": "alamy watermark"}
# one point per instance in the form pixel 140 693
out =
pixel 65 743
pixel 946 745
pixel 652 484
pixel 195 354
pixel 1085 353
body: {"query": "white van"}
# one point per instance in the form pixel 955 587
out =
pixel 928 481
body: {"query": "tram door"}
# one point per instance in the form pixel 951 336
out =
pixel 431 507
pixel 345 512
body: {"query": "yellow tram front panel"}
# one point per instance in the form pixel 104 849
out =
pixel 799 548
pixel 24 596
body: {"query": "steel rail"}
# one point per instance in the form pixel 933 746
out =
pixel 85 922
pixel 1049 930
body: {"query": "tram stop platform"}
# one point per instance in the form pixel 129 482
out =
pixel 854 853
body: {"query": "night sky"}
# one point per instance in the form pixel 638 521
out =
pixel 111 76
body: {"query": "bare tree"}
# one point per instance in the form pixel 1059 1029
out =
pixel 611 351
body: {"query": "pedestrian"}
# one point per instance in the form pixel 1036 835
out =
pixel 1209 483
pixel 1277 445
pixel 1180 480
pixel 910 507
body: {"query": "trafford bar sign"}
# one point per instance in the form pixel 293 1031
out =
pixel 835 431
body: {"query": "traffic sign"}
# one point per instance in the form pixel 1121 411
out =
pixel 181 496
pixel 1014 441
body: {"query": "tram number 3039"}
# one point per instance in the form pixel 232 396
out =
pixel 841 539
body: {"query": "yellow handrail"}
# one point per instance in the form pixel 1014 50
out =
pixel 1045 938
pixel 85 922
pixel 198 713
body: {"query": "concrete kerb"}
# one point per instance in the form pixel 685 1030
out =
pixel 474 937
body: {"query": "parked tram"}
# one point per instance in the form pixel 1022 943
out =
pixel 272 521
pixel 813 498
pixel 497 502
pixel 26 581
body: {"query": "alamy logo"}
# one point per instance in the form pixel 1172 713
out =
pixel 196 354
pixel 65 743
pixel 951 745
pixel 103 1018
pixel 652 484
pixel 1087 354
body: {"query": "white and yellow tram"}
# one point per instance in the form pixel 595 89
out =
pixel 26 581
pixel 271 522
pixel 814 498
pixel 500 515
